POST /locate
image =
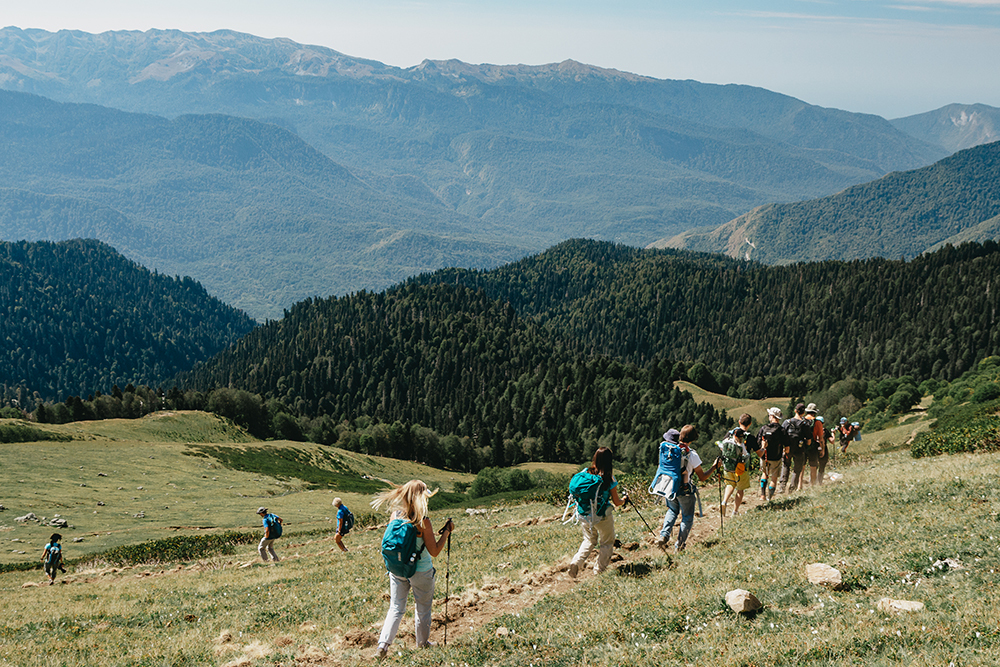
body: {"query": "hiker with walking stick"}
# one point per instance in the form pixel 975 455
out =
pixel 595 489
pixel 408 549
pixel 674 483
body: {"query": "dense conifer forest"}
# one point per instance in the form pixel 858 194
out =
pixel 77 318
pixel 931 317
pixel 549 357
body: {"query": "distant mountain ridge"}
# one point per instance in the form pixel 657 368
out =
pixel 254 213
pixel 521 157
pixel 955 126
pixel 903 214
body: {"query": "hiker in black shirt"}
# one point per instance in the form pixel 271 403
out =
pixel 772 441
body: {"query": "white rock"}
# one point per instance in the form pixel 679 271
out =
pixel 30 516
pixel 824 575
pixel 890 606
pixel 742 601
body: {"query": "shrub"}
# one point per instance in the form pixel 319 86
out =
pixel 487 483
pixel 986 392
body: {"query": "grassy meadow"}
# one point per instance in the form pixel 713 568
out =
pixel 734 407
pixel 512 603
pixel 127 481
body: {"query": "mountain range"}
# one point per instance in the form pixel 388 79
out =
pixel 902 214
pixel 272 171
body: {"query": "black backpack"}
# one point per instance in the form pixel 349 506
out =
pixel 800 431
pixel 768 436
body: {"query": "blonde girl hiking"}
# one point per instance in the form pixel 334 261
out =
pixel 409 559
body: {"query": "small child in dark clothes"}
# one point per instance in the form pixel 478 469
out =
pixel 52 557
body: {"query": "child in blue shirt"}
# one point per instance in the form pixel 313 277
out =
pixel 342 527
pixel 52 557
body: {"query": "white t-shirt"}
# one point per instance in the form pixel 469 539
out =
pixel 693 462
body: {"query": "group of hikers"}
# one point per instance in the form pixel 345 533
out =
pixel 410 544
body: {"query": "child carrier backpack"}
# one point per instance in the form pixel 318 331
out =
pixel 670 474
pixel 273 526
pixel 399 548
pixel 585 492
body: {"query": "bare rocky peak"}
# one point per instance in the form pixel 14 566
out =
pixel 567 69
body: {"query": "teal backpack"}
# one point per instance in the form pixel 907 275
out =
pixel 585 492
pixel 399 548
pixel 54 556
pixel 348 522
pixel 273 525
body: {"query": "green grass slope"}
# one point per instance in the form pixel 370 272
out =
pixel 120 482
pixel 888 526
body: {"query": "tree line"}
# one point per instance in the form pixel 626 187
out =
pixel 77 317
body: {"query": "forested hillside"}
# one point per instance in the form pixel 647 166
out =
pixel 933 316
pixel 459 362
pixel 76 317
pixel 902 214
pixel 551 355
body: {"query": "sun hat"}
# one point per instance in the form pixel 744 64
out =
pixel 774 412
pixel 811 408
pixel 261 510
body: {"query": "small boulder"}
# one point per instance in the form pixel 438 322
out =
pixel 824 575
pixel 890 606
pixel 59 523
pixel 742 602
pixel 30 516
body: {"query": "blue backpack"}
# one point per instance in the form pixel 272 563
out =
pixel 54 555
pixel 273 526
pixel 669 480
pixel 399 548
pixel 348 522
pixel 585 492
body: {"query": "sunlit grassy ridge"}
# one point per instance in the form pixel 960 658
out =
pixel 161 467
pixel 885 526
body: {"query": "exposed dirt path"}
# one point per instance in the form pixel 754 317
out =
pixel 475 608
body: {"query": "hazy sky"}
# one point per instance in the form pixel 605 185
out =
pixel 889 58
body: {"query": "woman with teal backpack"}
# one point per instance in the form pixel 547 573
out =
pixel 594 511
pixel 409 524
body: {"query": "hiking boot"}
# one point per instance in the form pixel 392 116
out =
pixel 662 541
pixel 574 569
pixel 381 652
